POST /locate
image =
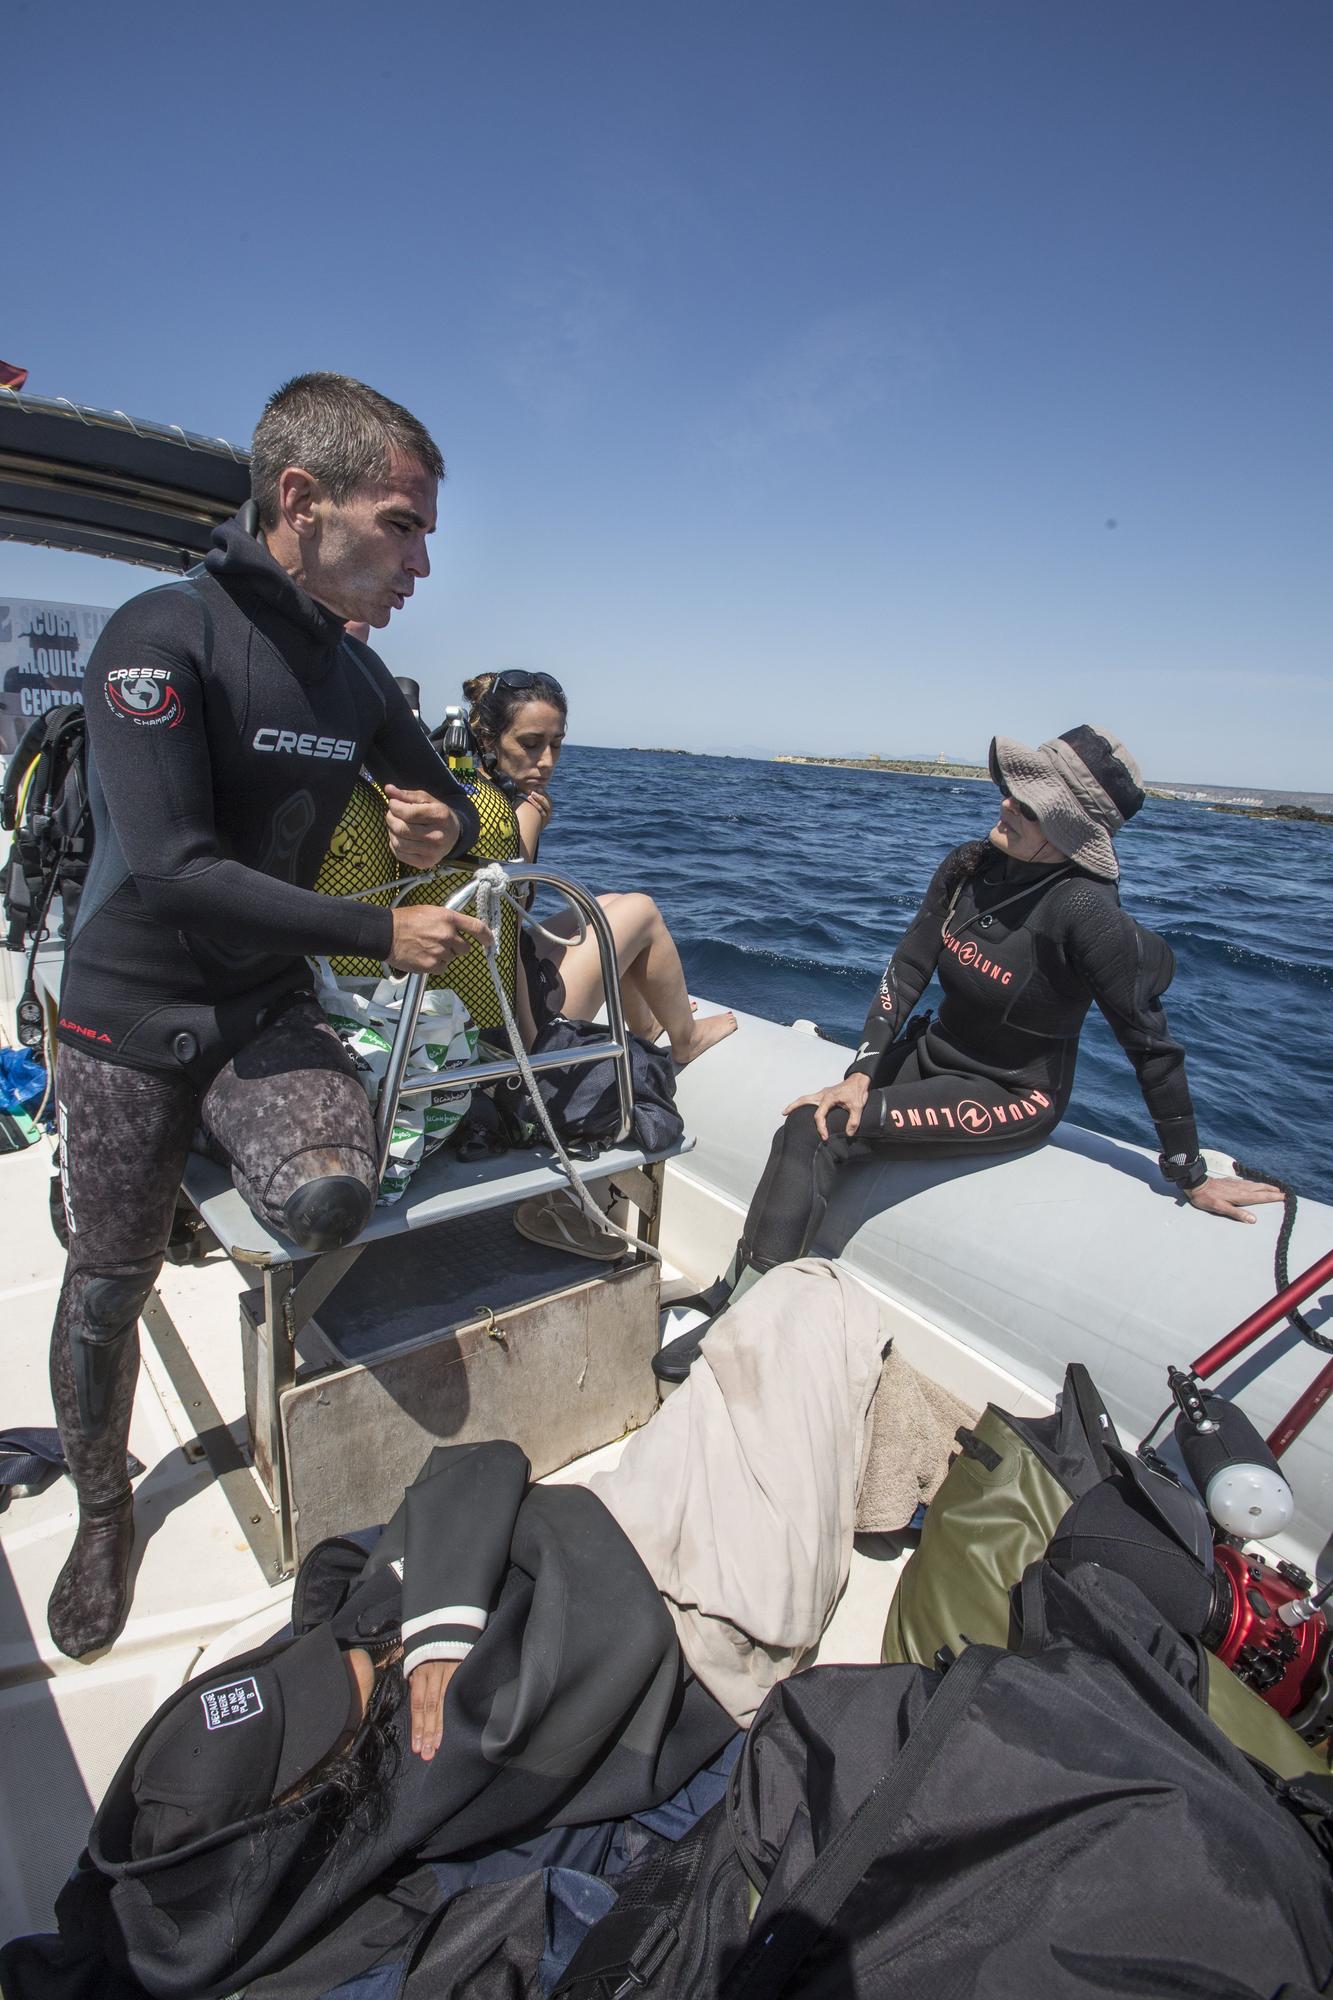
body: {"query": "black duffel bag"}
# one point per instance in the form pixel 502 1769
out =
pixel 584 1104
pixel 1062 1821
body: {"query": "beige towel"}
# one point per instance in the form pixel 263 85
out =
pixel 912 1426
pixel 740 1495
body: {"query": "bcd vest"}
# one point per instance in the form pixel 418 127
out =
pixel 360 859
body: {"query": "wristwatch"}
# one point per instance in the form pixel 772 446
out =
pixel 1186 1170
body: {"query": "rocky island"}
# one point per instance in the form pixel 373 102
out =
pixel 912 767
pixel 1273 812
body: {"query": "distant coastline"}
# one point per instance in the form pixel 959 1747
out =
pixel 1253 803
pixel 1305 807
pixel 911 767
pixel 1306 813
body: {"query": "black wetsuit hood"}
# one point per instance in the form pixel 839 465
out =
pixel 240 560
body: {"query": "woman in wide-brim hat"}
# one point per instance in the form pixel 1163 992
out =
pixel 1026 931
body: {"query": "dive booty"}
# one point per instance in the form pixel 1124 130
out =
pixel 328 1212
pixel 92 1594
pixel 673 1362
pixel 710 1300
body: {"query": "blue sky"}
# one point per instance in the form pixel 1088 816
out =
pixel 840 377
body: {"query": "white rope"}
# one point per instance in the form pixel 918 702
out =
pixel 402 884
pixel 504 895
pixel 492 892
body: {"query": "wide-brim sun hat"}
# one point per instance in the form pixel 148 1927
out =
pixel 1082 786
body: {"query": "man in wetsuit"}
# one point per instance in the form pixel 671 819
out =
pixel 228 714
pixel 1025 930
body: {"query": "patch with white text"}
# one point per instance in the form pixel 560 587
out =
pixel 144 695
pixel 239 1701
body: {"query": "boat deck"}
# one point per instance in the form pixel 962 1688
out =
pixel 990 1277
pixel 200 1591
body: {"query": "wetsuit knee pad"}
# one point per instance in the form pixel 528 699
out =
pixel 799 1127
pixel 111 1308
pixel 326 1213
pixel 112 1305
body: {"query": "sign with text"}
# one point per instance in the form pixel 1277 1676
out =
pixel 44 649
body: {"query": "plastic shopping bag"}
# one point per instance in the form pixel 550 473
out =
pixel 366 1019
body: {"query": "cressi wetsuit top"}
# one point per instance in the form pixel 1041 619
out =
pixel 1022 952
pixel 228 714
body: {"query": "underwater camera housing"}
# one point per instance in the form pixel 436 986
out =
pixel 1263 1622
pixel 1287 1663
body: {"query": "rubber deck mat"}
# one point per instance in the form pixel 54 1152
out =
pixel 414 1287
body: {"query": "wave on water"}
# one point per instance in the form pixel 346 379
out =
pixel 787 887
pixel 1201 950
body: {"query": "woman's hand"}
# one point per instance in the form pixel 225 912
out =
pixel 850 1095
pixel 1231 1198
pixel 541 805
pixel 427 1684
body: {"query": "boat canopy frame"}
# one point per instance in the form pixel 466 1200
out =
pixel 99 482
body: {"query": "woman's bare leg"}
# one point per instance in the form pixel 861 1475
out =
pixel 639 1015
pixel 652 977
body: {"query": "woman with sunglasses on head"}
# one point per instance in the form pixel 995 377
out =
pixel 1025 931
pixel 518 722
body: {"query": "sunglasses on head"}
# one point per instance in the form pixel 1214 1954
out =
pixel 515 678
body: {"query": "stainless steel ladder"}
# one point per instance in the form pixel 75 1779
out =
pixel 495 1070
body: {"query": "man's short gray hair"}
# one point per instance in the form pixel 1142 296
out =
pixel 340 432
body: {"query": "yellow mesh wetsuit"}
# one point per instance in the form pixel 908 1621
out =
pixel 360 858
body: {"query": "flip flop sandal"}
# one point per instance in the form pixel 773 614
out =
pixel 558 1223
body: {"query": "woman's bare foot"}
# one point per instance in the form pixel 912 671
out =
pixel 703 1034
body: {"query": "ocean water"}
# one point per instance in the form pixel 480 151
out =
pixel 788 886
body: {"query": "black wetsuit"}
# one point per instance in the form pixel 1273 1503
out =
pixel 1022 952
pixel 572 1705
pixel 228 715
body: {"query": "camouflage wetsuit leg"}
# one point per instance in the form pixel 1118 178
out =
pixel 290 1114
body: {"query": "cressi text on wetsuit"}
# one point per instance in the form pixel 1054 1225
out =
pixel 1022 951
pixel 228 715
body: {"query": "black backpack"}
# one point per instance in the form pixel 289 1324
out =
pixel 584 1105
pixel 1062 1821
pixel 44 805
